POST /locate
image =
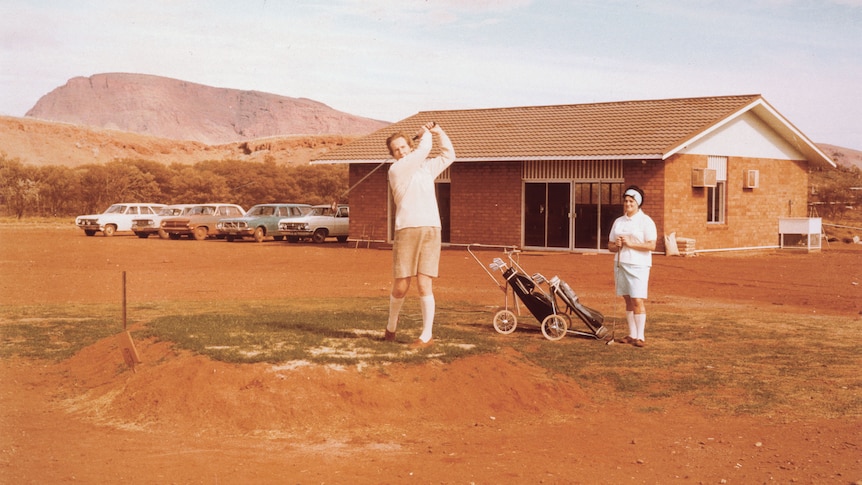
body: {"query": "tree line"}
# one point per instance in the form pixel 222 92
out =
pixel 836 193
pixel 59 191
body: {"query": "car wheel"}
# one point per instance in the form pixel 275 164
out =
pixel 90 233
pixel 143 235
pixel 230 238
pixel 293 239
pixel 174 237
pixel 341 239
pixel 109 230
pixel 259 234
pixel 319 236
pixel 200 233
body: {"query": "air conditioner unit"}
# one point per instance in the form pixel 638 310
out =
pixel 703 177
pixel 752 179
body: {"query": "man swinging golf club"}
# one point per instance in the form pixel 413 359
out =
pixel 632 238
pixel 416 248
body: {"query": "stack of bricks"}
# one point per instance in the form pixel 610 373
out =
pixel 685 246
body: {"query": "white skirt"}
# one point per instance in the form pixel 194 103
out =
pixel 631 280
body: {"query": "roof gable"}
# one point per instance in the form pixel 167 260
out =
pixel 745 136
pixel 653 129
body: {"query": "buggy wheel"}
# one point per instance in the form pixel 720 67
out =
pixel 554 327
pixel 505 322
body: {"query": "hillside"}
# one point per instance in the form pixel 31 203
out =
pixel 41 143
pixel 179 110
pixel 844 157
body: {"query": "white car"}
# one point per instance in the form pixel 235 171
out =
pixel 151 224
pixel 116 218
pixel 320 223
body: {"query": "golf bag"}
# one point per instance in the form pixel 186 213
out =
pixel 537 302
pixel 591 318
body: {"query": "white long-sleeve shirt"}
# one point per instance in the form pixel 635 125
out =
pixel 411 180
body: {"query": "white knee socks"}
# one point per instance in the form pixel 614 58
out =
pixel 640 323
pixel 394 311
pixel 630 319
pixel 427 305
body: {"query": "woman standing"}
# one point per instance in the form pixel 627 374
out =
pixel 632 238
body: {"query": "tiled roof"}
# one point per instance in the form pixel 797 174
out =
pixel 599 130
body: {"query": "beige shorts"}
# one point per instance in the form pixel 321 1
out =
pixel 416 250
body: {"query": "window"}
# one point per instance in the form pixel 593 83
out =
pixel 717 196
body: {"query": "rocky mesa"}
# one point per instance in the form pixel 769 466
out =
pixel 179 110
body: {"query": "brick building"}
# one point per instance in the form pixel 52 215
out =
pixel 719 170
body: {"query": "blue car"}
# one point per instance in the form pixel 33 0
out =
pixel 260 222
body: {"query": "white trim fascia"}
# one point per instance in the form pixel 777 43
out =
pixel 514 159
pixel 784 124
pixel 579 158
pixel 798 134
pixel 711 129
pixel 340 162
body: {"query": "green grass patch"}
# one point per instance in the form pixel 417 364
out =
pixel 53 332
pixel 343 331
pixel 725 361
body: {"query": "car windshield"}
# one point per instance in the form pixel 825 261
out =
pixel 171 211
pixel 116 209
pixel 262 210
pixel 201 209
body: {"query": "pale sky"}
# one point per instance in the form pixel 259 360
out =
pixel 391 59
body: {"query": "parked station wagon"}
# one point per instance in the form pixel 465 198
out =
pixel 116 218
pixel 144 226
pixel 260 221
pixel 320 223
pixel 200 220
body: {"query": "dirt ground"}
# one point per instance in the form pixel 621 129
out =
pixel 182 418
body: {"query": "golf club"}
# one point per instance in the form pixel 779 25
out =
pixel 616 304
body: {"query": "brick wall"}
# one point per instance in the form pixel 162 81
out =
pixel 486 203
pixel 649 177
pixel 751 217
pixel 368 201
